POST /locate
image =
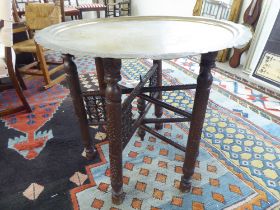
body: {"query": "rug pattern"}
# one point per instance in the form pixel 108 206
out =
pixel 44 105
pixel 237 167
pixel 259 102
pixel 232 149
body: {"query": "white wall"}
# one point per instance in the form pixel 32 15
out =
pixel 162 7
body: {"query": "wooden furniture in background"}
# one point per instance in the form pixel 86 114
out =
pixel 91 6
pixel 1 24
pixel 20 5
pixel 111 10
pixel 215 9
pixel 117 9
pixel 70 10
pixel 233 15
pixel 124 8
pixel 48 14
pixel 250 19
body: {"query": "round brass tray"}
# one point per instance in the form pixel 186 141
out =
pixel 152 37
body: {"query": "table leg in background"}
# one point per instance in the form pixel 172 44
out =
pixel 204 82
pixel 76 95
pixel 113 95
pixel 158 109
pixel 100 75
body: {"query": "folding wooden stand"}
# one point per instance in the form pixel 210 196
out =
pixel 105 107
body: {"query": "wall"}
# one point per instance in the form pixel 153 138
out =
pixel 162 7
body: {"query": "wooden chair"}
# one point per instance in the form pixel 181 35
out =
pixel 39 16
pixel 111 8
pixel 116 9
pixel 67 9
pixel 20 6
pixel 91 6
pixel 124 8
pixel 72 11
pixel 14 84
pixel 215 9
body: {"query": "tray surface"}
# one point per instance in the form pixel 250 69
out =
pixel 152 37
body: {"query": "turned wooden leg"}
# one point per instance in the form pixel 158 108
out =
pixel 76 94
pixel 204 82
pixel 113 95
pixel 100 76
pixel 141 105
pixel 158 109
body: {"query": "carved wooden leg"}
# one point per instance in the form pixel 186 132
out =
pixel 100 75
pixel 158 109
pixel 113 95
pixel 204 82
pixel 76 94
pixel 141 105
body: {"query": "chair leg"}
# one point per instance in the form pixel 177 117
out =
pixel 43 64
pixel 20 79
pixel 81 15
pixel 15 81
pixel 55 81
pixel 98 13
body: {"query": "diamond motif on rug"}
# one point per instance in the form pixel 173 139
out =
pixel 78 178
pixel 33 191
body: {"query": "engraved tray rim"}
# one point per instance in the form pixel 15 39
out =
pixel 45 37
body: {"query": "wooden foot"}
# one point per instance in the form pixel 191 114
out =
pixel 118 199
pixel 90 153
pixel 185 185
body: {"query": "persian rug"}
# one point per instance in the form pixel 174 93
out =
pixel 42 166
pixel 237 167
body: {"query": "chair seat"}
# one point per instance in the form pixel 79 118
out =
pixel 90 7
pixel 71 11
pixel 25 46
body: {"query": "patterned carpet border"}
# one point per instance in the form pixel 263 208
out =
pixel 233 97
pixel 242 80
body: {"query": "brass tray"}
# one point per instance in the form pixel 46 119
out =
pixel 152 37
